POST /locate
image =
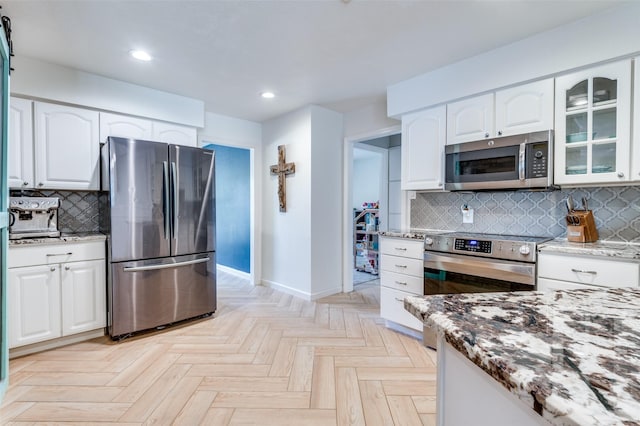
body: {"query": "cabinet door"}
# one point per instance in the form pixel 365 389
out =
pixel 392 308
pixel 525 109
pixel 635 160
pixel 66 147
pixel 124 127
pixel 422 149
pixel 593 124
pixel 83 296
pixel 175 134
pixel 470 119
pixel 20 144
pixel 34 304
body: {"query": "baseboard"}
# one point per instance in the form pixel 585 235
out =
pixel 235 272
pixel 55 343
pixel 301 294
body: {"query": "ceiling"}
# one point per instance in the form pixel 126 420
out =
pixel 334 53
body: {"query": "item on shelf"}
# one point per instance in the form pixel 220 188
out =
pixel 365 240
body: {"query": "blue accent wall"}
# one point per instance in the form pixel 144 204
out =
pixel 233 226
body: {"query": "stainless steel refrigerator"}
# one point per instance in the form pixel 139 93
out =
pixel 160 211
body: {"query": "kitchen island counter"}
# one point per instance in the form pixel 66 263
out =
pixel 571 356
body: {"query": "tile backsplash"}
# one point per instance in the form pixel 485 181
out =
pixel 616 211
pixel 78 211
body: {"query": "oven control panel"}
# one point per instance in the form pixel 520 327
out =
pixel 476 246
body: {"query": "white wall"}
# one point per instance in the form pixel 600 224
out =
pixel 605 36
pixel 395 193
pixel 366 179
pixel 286 237
pixel 301 247
pixel 326 202
pixel 38 79
pixel 368 120
pixel 239 133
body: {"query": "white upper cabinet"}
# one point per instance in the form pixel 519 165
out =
pixel 175 134
pixel 635 159
pixel 593 125
pixel 422 149
pixel 20 144
pixel 525 109
pixel 470 119
pixel 521 109
pixel 124 127
pixel 66 147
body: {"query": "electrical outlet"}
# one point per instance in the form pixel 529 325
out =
pixel 467 215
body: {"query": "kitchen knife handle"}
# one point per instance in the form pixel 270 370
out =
pixel 166 202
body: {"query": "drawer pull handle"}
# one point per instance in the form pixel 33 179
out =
pixel 401 283
pixel 401 266
pixel 399 300
pixel 59 254
pixel 400 248
pixel 580 271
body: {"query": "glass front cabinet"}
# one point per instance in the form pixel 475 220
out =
pixel 593 125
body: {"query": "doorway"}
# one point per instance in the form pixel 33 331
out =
pixel 372 161
pixel 233 209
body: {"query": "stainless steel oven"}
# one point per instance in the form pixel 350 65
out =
pixel 474 263
pixel 477 263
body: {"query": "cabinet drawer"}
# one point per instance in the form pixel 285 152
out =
pixel 401 247
pixel 29 255
pixel 408 283
pixel 545 284
pixel 589 270
pixel 392 308
pixel 402 265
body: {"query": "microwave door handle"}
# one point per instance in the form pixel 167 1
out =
pixel 521 158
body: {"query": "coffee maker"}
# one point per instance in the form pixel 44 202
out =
pixel 31 217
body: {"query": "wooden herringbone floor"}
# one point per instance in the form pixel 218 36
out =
pixel 265 358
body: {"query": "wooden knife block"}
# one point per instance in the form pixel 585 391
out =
pixel 585 231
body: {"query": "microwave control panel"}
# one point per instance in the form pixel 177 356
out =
pixel 472 245
pixel 537 160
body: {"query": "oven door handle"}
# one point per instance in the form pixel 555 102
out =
pixel 519 272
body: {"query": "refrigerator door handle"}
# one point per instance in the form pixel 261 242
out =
pixel 174 190
pixel 165 266
pixel 167 199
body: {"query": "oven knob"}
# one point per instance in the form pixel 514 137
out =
pixel 525 250
pixel 428 241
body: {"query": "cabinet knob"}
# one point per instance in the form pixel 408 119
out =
pixel 40 184
pixel 486 135
pixel 53 268
pixel 25 183
pixel 66 268
pixel 499 132
pixel 620 174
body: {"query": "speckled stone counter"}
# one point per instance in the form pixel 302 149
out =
pixel 573 356
pixel 599 248
pixel 411 234
pixel 68 238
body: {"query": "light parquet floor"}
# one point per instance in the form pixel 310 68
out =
pixel 265 358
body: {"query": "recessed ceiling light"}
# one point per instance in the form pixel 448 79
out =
pixel 140 55
pixel 268 95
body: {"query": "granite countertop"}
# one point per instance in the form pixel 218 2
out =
pixel 599 248
pixel 571 355
pixel 64 238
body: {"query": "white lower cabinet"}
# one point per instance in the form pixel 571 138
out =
pixel 568 272
pixel 401 275
pixel 58 298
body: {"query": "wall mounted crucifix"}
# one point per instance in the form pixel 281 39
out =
pixel 282 169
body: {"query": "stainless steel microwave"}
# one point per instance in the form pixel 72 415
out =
pixel 510 162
